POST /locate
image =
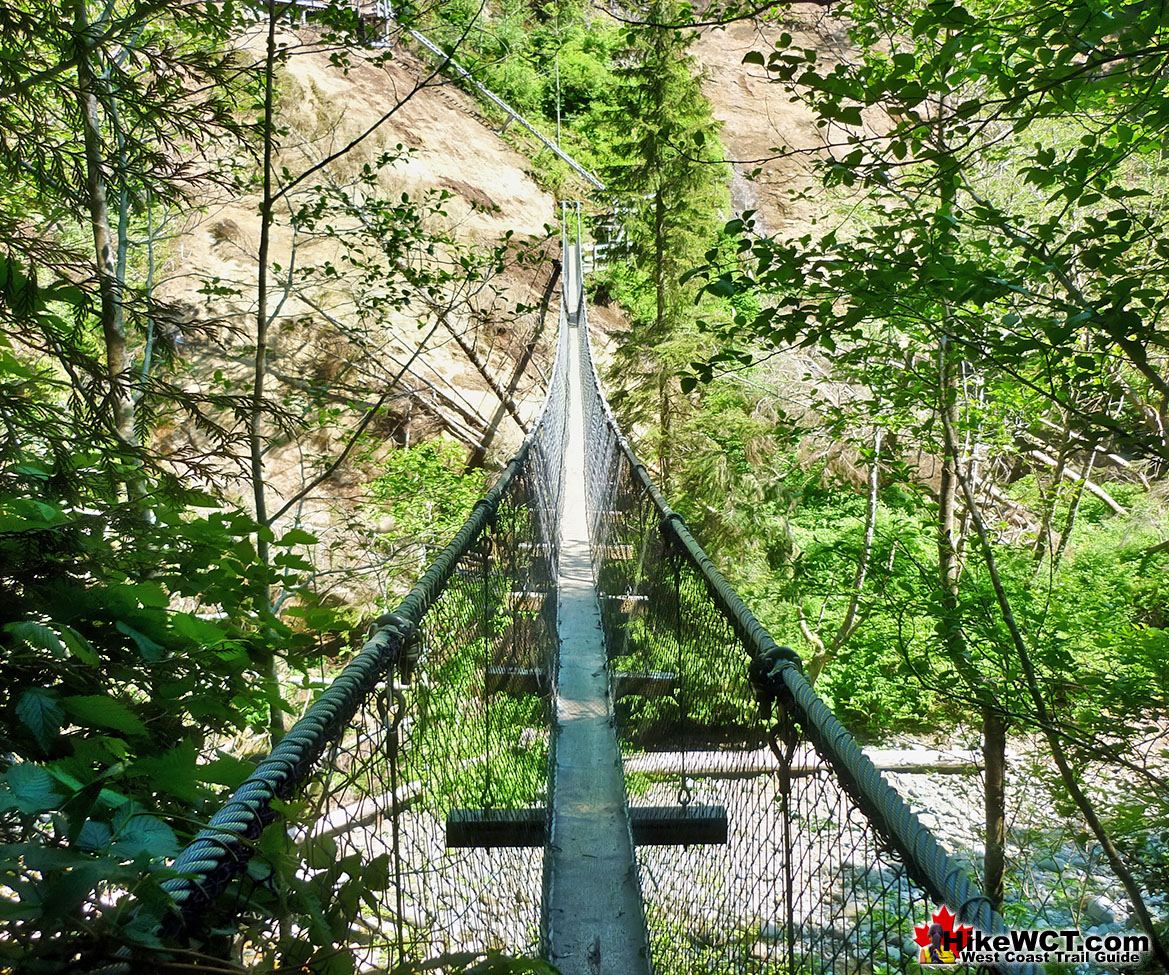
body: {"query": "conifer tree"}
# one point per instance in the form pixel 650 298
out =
pixel 670 182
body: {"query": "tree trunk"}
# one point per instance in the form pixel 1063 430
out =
pixel 1069 474
pixel 660 336
pixel 994 757
pixel 1073 511
pixel 994 739
pixel 822 654
pixel 1043 541
pixel 951 623
pixel 1047 724
pixel 949 390
pixel 848 626
pixel 260 363
pixel 479 452
pixel 506 400
pixel 106 255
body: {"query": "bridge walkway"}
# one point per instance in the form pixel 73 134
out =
pixel 828 869
pixel 593 918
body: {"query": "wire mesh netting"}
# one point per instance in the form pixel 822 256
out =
pixel 333 856
pixel 337 855
pixel 824 868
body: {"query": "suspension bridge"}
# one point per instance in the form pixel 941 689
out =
pixel 573 738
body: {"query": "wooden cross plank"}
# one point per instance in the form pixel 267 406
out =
pixel 652 826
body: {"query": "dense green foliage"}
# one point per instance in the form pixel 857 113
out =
pixel 157 630
pixel 669 182
pixel 551 62
pixel 986 303
pixel 987 306
pixel 984 307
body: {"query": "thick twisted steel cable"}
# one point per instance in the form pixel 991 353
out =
pixel 777 669
pixel 223 847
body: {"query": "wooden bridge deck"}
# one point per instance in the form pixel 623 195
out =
pixel 593 918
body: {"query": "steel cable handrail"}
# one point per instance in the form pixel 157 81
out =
pixel 222 848
pixel 778 678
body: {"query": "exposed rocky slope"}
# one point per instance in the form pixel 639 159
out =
pixel 450 357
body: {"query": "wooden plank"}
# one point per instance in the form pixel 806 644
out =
pixel 651 826
pixel 531 599
pixel 526 642
pixel 519 681
pixel 678 825
pixel 515 681
pixel 495 828
pixel 629 604
pixel 616 553
pixel 654 683
pixel 732 764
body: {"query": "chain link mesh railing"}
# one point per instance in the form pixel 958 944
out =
pixel 333 856
pixel 825 868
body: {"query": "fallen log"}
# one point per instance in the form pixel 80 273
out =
pixel 1071 475
pixel 368 809
pixel 746 764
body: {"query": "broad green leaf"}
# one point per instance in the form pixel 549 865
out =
pixel 38 636
pixel 37 856
pixel 139 833
pixel 849 115
pixel 41 714
pixel 30 789
pixel 297 536
pixel 336 963
pixel 99 711
pixel 152 594
pixel 198 631
pixel 94 835
pixel 106 797
pixel 80 647
pixel 11 366
pixel 173 772
pixel 68 293
pixel 320 617
pixel 72 888
pixel 289 560
pixel 225 770
pixel 147 647
pixel 320 852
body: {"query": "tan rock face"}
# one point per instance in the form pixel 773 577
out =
pixel 759 115
pixel 321 339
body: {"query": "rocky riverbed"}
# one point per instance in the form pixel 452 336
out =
pixel 727 908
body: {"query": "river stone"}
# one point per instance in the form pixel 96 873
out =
pixel 1099 910
pixel 761 951
pixel 771 931
pixel 708 932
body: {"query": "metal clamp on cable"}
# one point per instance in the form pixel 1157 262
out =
pixel 671 537
pixel 406 630
pixel 766 674
pixel 771 693
pixel 397 624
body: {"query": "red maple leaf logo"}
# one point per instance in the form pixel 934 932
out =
pixel 953 939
